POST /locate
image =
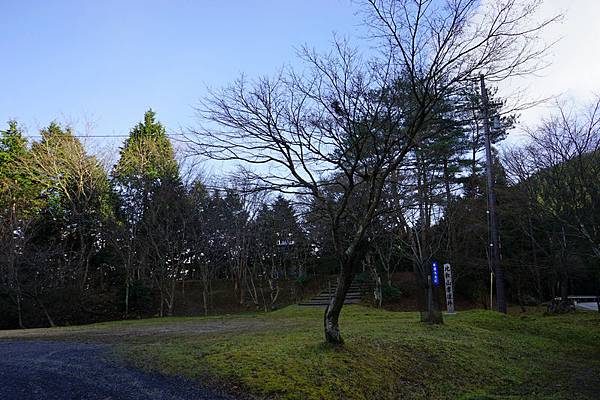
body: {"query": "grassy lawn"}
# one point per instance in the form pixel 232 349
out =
pixel 388 355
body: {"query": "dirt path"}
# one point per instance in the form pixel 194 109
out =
pixel 32 370
pixel 125 330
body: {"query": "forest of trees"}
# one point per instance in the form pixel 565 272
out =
pixel 77 238
pixel 373 166
pixel 80 243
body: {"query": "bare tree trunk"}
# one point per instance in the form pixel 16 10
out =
pixel 274 292
pixel 520 295
pixel 206 278
pixel 210 295
pixel 262 295
pixel 45 311
pixel 332 312
pixel 351 262
pixel 171 299
pixel 377 292
pixel 241 284
pixel 20 311
pixel 564 274
pixel 127 296
pixel 205 299
pixel 162 304
pixel 84 258
pixel 253 291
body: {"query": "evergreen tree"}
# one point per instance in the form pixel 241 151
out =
pixel 152 201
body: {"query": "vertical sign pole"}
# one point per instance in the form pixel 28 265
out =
pixel 495 240
pixel 429 294
pixel 449 289
pixel 433 285
pixel 434 273
pixel 491 290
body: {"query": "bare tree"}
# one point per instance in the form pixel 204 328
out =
pixel 559 172
pixel 443 45
pixel 166 228
pixel 347 124
pixel 562 152
pixel 60 164
pixel 314 132
pixel 15 233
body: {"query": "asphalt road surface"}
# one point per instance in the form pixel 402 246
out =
pixel 60 370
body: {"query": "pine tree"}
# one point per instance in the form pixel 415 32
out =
pixel 152 203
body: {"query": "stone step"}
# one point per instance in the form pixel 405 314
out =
pixel 355 285
pixel 354 295
pixel 348 296
pixel 324 304
pixel 349 291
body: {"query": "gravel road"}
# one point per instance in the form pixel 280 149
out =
pixel 61 370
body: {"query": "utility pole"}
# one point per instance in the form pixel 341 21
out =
pixel 495 242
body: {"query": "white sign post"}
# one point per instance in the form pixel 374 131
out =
pixel 449 292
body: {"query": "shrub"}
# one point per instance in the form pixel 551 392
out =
pixel 363 277
pixel 390 293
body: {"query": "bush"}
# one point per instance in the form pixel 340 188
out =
pixel 390 293
pixel 141 299
pixel 529 300
pixel 363 277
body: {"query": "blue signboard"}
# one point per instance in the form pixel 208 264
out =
pixel 434 274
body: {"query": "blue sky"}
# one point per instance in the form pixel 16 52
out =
pixel 106 62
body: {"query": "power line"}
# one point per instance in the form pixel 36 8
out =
pixel 101 136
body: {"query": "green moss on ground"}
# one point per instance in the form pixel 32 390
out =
pixel 474 355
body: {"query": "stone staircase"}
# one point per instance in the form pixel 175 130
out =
pixel 355 294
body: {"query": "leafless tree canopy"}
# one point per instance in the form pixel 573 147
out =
pixel 346 124
pixel 450 41
pixel 297 125
pixel 559 169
